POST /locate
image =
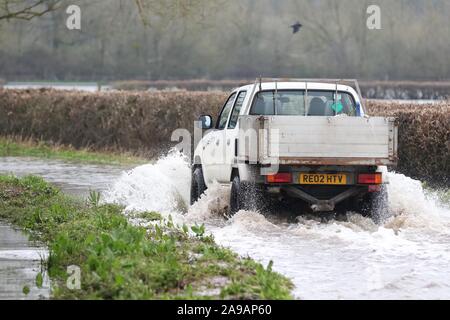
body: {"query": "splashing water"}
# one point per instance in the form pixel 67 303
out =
pixel 163 187
pixel 413 208
pixel 353 258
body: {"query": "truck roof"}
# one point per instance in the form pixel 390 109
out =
pixel 299 85
pixel 309 84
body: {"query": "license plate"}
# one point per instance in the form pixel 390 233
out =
pixel 323 178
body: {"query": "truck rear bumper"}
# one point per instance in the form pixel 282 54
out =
pixel 320 205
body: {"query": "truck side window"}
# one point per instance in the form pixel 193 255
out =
pixel 282 102
pixel 237 110
pixel 226 112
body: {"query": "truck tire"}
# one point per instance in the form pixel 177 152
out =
pixel 244 196
pixel 198 186
pixel 237 201
pixel 376 206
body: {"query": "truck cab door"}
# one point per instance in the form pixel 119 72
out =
pixel 230 138
pixel 206 149
pixel 213 157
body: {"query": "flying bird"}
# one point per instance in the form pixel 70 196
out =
pixel 296 27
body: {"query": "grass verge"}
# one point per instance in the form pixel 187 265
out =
pixel 119 260
pixel 17 147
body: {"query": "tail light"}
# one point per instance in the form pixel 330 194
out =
pixel 370 178
pixel 279 178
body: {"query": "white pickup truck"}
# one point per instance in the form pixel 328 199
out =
pixel 308 143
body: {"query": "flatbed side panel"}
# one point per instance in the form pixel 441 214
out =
pixel 335 161
pixel 322 140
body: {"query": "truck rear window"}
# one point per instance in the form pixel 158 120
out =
pixel 294 103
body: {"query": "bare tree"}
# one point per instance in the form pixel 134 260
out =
pixel 26 10
pixel 225 39
pixel 166 11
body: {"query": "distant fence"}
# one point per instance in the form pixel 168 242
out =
pixel 144 121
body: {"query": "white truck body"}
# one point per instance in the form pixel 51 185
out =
pixel 296 139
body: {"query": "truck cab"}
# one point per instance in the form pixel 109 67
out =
pixel 309 142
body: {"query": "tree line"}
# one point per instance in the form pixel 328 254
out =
pixel 220 39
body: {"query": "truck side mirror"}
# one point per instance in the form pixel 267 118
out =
pixel 205 122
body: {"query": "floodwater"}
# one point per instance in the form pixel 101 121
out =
pixel 76 86
pixel 20 262
pixel 350 258
pixel 345 258
pixel 73 178
pixel 406 102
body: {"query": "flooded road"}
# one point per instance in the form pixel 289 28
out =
pixel 345 258
pixel 74 179
pixel 20 262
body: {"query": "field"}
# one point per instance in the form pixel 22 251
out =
pixel 143 122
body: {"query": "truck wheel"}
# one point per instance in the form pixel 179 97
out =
pixel 237 202
pixel 198 186
pixel 376 206
pixel 244 196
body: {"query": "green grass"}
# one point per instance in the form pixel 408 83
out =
pixel 119 260
pixel 148 216
pixel 14 147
